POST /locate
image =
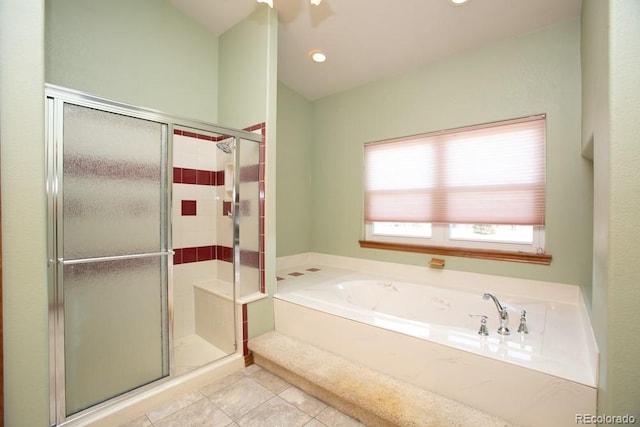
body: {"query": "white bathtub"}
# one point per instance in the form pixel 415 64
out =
pixel 423 334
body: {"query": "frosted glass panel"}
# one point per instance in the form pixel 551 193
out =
pixel 114 204
pixel 112 193
pixel 113 336
pixel 249 191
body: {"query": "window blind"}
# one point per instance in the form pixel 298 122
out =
pixel 485 174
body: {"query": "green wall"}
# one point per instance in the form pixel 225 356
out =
pixel 535 73
pixel 248 87
pixel 624 252
pixel 611 107
pixel 295 130
pixel 143 52
pixel 244 84
pixel 24 266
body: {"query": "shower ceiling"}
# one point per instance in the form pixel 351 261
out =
pixel 366 40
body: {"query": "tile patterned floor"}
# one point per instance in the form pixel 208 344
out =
pixel 252 397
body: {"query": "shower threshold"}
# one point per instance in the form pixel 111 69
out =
pixel 193 352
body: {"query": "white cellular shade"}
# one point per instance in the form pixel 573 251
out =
pixel 486 174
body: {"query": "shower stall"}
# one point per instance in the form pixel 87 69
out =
pixel 154 241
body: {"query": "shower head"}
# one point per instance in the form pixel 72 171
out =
pixel 225 146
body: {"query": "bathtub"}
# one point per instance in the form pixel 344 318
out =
pixel 422 333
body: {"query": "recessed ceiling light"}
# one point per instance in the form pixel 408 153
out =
pixel 317 55
pixel 459 2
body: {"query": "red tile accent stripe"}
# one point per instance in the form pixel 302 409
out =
pixel 195 254
pixel 200 135
pixel 245 330
pixel 189 255
pixel 216 252
pixel 262 127
pixel 197 176
pixel 203 177
pixel 225 253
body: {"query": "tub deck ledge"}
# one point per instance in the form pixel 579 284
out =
pixel 366 395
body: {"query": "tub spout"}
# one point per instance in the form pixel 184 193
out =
pixel 502 313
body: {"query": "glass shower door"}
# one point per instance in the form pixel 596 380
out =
pixel 250 206
pixel 112 254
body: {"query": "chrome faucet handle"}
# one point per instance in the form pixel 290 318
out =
pixel 502 313
pixel 523 323
pixel 483 324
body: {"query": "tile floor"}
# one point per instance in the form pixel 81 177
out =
pixel 251 397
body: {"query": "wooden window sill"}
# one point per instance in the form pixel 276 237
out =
pixel 490 254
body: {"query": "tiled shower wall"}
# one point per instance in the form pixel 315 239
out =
pixel 202 231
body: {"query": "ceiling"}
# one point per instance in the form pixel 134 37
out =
pixel 366 40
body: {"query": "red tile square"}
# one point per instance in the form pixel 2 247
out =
pixel 226 208
pixel 189 207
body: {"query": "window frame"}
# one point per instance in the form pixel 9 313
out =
pixel 442 243
pixel 440 236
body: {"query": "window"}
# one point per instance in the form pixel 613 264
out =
pixel 475 187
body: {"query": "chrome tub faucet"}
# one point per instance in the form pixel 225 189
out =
pixel 502 313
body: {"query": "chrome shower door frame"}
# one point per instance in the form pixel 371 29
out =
pixel 56 97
